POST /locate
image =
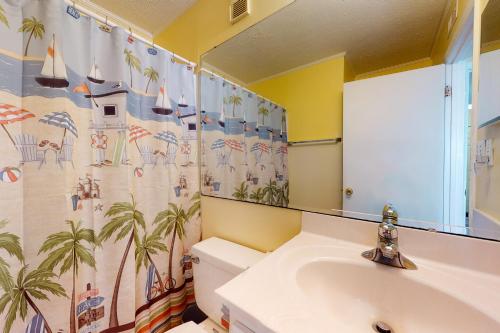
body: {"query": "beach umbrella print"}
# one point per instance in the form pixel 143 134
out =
pixel 10 114
pixel 170 138
pixel 282 151
pixel 10 174
pixel 62 120
pixel 137 132
pixel 218 146
pixel 258 149
pixel 233 145
pixel 167 136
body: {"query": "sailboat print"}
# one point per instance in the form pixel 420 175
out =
pixel 53 73
pixel 182 102
pixel 95 74
pixel 221 120
pixel 283 124
pixel 163 105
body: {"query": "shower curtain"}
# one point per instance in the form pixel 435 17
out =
pixel 99 201
pixel 243 144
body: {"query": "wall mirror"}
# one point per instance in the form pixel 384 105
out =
pixel 340 107
pixel 487 170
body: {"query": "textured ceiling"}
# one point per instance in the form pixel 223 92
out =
pixel 374 34
pixel 490 22
pixel 150 15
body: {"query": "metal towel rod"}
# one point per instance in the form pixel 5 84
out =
pixel 315 142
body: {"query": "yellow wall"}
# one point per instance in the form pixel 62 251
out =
pixel 397 69
pixel 206 25
pixel 489 47
pixel 312 97
pixel 263 228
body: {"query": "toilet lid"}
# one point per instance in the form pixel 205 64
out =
pixel 189 327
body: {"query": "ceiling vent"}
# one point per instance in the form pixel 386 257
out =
pixel 238 10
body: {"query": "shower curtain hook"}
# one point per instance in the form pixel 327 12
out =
pixel 172 59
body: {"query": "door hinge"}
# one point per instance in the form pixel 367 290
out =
pixel 447 91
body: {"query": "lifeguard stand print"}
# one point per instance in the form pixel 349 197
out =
pixel 109 115
pixel 189 134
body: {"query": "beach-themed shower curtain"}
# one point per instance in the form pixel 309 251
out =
pixel 98 176
pixel 243 144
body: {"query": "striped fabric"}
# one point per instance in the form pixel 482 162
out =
pixel 10 114
pixel 234 144
pixel 167 136
pixel 137 132
pixel 165 311
pixel 259 146
pixel 150 282
pixel 36 325
pixel 60 119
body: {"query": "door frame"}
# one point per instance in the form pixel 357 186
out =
pixel 459 62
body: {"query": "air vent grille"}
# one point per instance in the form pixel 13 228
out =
pixel 238 10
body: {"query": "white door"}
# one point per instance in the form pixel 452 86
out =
pixel 394 144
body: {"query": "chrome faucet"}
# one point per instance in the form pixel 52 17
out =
pixel 387 250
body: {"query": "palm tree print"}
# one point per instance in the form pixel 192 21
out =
pixel 152 75
pixel 241 193
pixel 169 221
pixel 270 191
pixel 264 112
pixel 235 100
pixel 196 205
pixel 132 62
pixel 282 194
pixel 3 18
pixel 148 246
pixel 126 220
pixel 9 243
pixel 29 286
pixel 35 29
pixel 257 195
pixel 68 251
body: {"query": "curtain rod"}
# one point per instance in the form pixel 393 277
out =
pixel 315 142
pixel 112 22
pixel 239 85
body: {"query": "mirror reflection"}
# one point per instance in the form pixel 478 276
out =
pixel 487 171
pixel 368 103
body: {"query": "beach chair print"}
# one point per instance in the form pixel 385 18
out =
pixel 36 325
pixel 148 156
pixel 170 156
pixel 150 283
pixel 222 159
pixel 27 145
pixel 66 154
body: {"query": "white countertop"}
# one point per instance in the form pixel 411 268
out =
pixel 268 298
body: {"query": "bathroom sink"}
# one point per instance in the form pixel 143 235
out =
pixel 318 283
pixel 355 295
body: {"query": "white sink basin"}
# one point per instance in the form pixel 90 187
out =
pixel 320 284
pixel 357 294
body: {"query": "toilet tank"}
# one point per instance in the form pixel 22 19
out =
pixel 219 262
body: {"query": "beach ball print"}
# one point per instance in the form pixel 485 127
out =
pixel 10 174
pixel 138 172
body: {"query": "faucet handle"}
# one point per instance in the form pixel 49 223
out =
pixel 390 213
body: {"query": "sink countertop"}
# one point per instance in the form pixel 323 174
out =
pixel 269 296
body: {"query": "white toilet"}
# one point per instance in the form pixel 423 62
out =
pixel 219 262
